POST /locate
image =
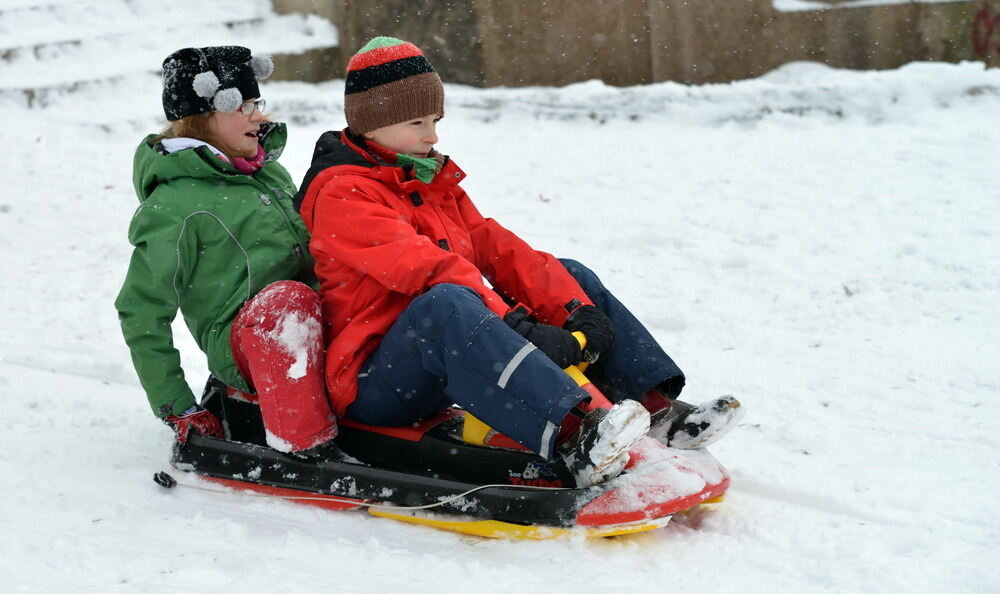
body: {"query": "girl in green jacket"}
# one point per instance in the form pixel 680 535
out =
pixel 217 238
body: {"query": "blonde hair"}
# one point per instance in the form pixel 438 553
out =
pixel 197 126
pixel 192 126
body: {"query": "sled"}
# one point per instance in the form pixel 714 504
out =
pixel 430 474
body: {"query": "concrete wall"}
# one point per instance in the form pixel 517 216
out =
pixel 314 65
pixel 626 42
pixel 447 31
pixel 721 40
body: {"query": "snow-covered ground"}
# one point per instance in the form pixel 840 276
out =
pixel 823 244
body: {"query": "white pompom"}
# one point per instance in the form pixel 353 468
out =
pixel 228 100
pixel 262 66
pixel 205 84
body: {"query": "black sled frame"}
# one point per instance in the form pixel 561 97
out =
pixel 438 469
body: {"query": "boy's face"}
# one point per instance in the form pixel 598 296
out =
pixel 412 137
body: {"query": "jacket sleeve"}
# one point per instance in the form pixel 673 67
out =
pixel 532 277
pixel 366 235
pixel 148 302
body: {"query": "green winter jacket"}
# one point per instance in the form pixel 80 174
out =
pixel 207 238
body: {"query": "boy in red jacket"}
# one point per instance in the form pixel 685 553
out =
pixel 401 253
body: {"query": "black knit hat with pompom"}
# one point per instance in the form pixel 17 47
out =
pixel 198 80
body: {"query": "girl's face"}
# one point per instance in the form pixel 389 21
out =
pixel 412 137
pixel 237 133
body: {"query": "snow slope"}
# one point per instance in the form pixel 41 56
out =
pixel 823 244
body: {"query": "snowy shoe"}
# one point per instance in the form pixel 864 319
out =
pixel 598 452
pixel 328 451
pixel 687 427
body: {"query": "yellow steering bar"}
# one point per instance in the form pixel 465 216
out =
pixel 475 431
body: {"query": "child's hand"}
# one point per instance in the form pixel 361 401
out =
pixel 596 326
pixel 557 344
pixel 195 419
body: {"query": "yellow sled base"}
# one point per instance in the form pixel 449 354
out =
pixel 506 530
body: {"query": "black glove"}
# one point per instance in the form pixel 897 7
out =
pixel 558 344
pixel 596 326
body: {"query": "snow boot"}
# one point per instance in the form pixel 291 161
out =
pixel 685 426
pixel 598 452
pixel 326 451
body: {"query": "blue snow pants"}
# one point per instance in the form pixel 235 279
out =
pixel 448 348
pixel 636 362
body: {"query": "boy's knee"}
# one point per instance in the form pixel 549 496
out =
pixel 444 307
pixel 448 297
pixel 581 273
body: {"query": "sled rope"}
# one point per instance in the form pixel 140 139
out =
pixel 165 480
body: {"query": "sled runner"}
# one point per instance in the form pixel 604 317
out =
pixel 429 474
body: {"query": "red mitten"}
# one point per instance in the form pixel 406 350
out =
pixel 195 419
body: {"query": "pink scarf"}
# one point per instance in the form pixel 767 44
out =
pixel 249 166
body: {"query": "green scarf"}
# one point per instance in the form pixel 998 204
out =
pixel 423 169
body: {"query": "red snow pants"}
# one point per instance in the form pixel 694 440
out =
pixel 277 341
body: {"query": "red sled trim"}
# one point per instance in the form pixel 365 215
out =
pixel 590 516
pixel 412 432
pixel 316 499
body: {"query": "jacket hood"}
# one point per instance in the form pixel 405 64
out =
pixel 152 166
pixel 342 148
pixel 330 151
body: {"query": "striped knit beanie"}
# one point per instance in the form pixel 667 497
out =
pixel 390 81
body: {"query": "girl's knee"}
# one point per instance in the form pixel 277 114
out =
pixel 289 289
pixel 285 296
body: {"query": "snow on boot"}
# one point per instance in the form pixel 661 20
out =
pixel 687 427
pixel 598 452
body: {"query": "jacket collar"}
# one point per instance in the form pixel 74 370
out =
pixel 385 167
pixel 153 165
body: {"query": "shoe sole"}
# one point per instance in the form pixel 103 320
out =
pixel 624 425
pixel 719 424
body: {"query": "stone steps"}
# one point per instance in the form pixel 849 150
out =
pixel 52 46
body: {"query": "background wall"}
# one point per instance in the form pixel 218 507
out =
pixel 627 42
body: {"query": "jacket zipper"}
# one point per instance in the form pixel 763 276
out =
pixel 297 248
pixel 449 242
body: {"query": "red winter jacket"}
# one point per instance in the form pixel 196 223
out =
pixel 381 237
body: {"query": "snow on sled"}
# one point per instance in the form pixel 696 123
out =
pixel 429 473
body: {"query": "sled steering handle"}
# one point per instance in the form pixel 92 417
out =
pixel 477 432
pixel 597 398
pixel 582 365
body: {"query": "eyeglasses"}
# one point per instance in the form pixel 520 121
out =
pixel 248 108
